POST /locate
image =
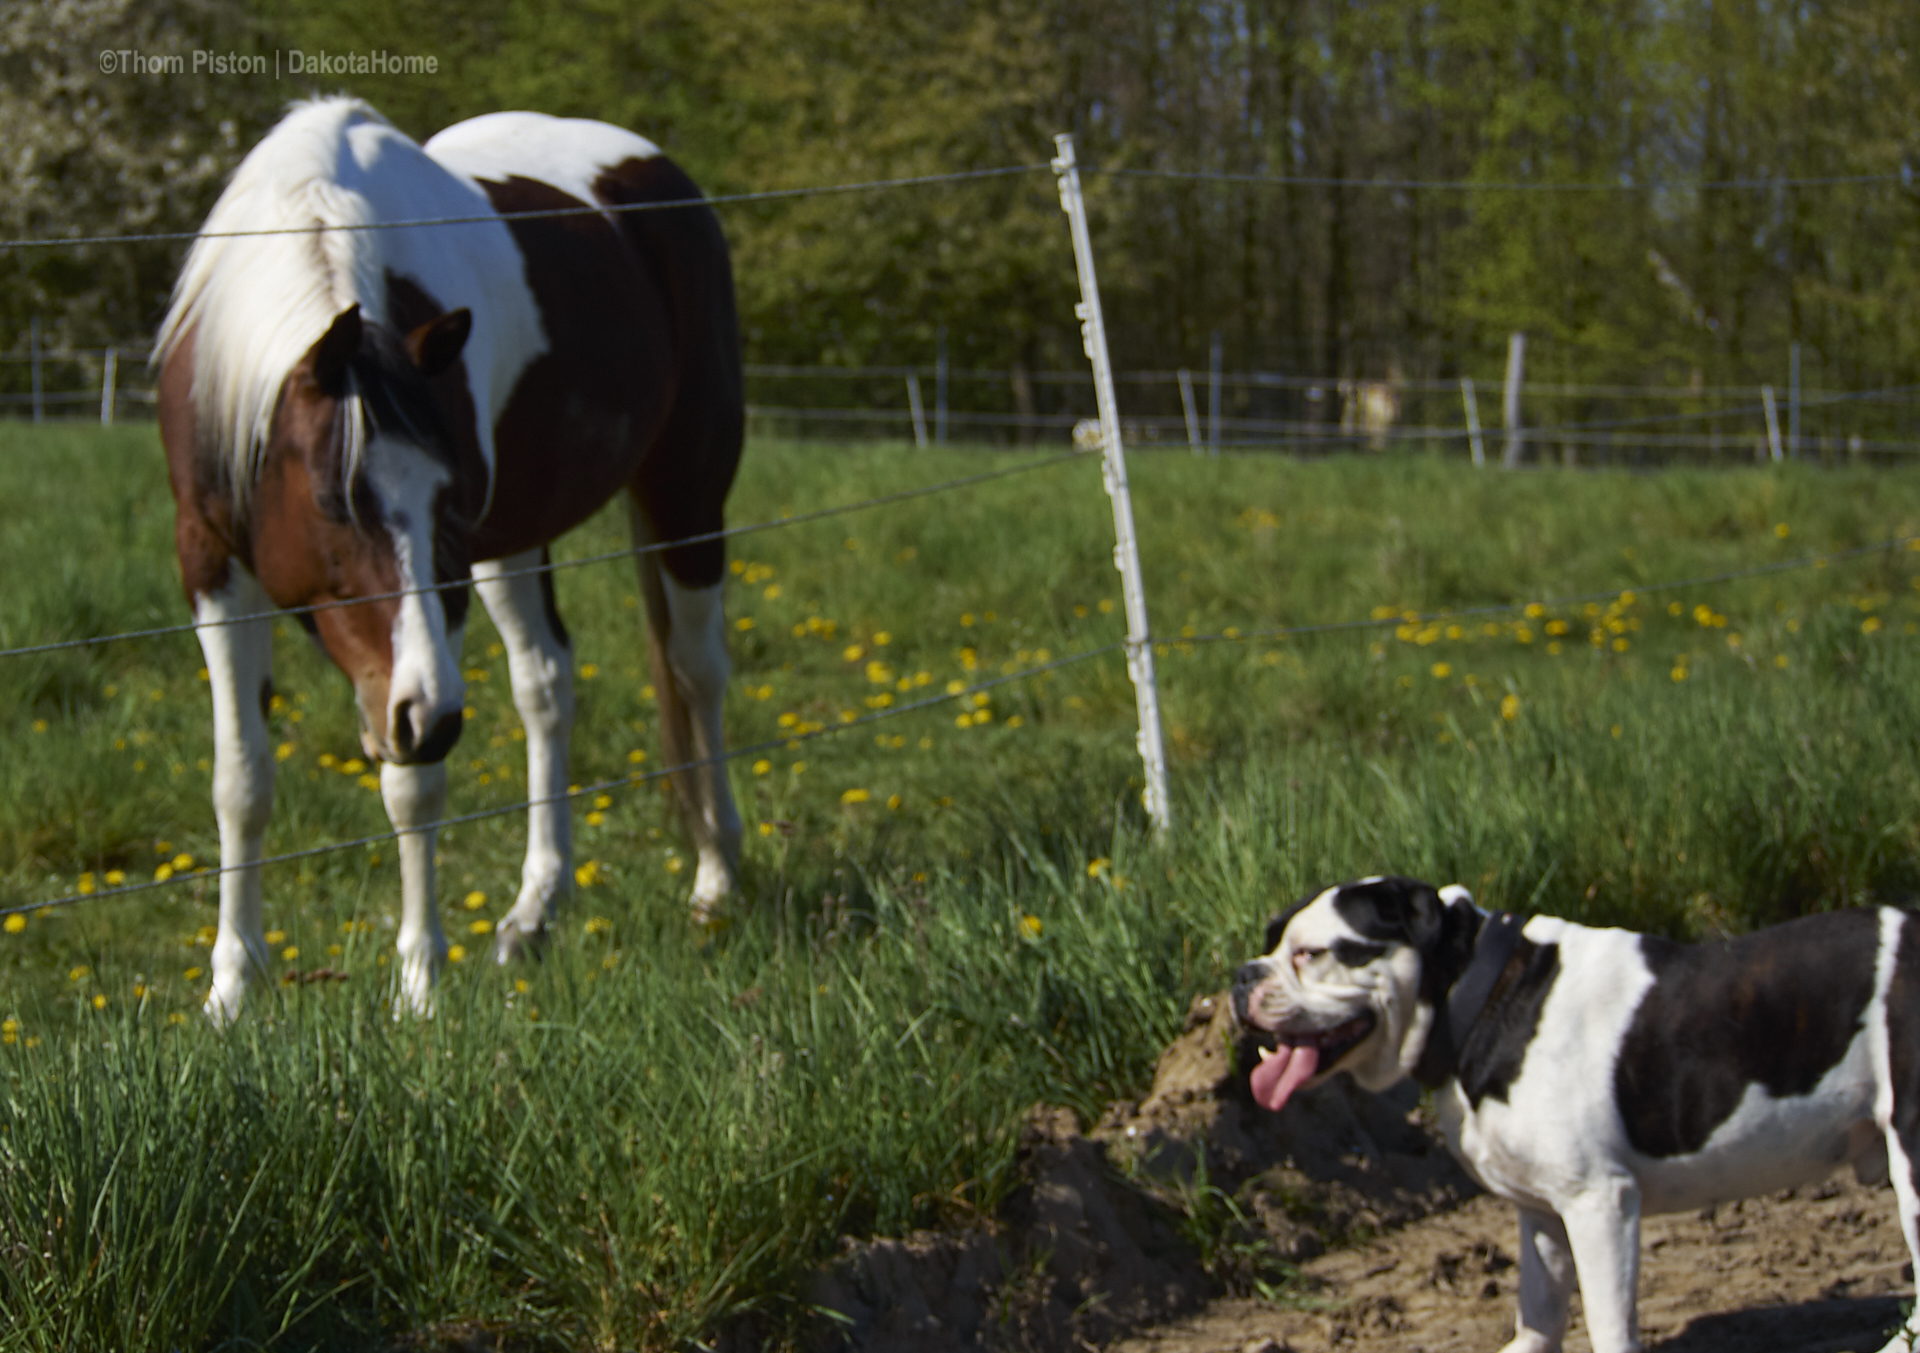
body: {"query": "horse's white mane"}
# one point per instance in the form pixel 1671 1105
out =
pixel 256 303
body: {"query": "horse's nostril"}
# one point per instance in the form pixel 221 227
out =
pixel 440 740
pixel 402 728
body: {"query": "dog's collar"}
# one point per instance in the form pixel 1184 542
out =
pixel 1491 950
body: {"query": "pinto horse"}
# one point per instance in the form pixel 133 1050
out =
pixel 357 414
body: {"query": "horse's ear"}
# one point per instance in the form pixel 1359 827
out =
pixel 436 345
pixel 335 350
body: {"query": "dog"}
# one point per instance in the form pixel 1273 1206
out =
pixel 1593 1076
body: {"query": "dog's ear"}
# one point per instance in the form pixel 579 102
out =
pixel 1393 910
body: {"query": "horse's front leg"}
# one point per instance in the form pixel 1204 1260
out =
pixel 240 670
pixel 416 799
pixel 540 660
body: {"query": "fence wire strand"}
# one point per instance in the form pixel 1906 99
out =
pixel 632 552
pixel 599 787
pixel 618 208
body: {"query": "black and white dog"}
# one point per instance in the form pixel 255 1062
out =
pixel 1591 1076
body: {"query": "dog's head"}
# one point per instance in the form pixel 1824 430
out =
pixel 1349 983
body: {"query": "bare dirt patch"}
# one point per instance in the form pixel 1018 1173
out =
pixel 1173 1225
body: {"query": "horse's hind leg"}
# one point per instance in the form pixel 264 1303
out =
pixel 240 670
pixel 540 660
pixel 687 645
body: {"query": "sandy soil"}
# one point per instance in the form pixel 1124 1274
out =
pixel 1815 1271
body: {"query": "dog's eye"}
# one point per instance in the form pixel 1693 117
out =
pixel 1302 957
pixel 1356 953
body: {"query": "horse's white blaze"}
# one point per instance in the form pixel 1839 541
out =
pixel 239 666
pixel 697 653
pixel 541 667
pixel 425 686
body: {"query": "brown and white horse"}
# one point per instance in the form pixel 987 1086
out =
pixel 351 412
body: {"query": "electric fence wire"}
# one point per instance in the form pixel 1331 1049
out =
pixel 556 566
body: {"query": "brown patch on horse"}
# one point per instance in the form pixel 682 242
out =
pixel 203 511
pixel 585 412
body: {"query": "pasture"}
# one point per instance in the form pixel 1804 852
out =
pixel 950 915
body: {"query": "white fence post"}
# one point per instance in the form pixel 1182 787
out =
pixel 1473 421
pixel 1126 552
pixel 1773 421
pixel 919 412
pixel 1510 398
pixel 106 387
pixel 1187 407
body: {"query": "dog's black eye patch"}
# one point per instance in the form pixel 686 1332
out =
pixel 1356 953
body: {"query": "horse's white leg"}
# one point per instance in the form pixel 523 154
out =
pixel 540 661
pixel 240 670
pixel 416 798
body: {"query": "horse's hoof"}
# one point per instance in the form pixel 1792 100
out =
pixel 223 1003
pixel 512 943
pixel 710 914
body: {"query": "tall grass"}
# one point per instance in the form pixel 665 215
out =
pixel 655 1129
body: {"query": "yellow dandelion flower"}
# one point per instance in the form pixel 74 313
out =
pixel 1679 672
pixel 636 756
pixel 1098 866
pixel 1616 730
pixel 1782 530
pixel 743 624
pixel 1015 721
pixel 893 802
pixel 183 861
pixel 798 767
pixel 856 796
pixel 283 751
pixel 1030 926
pixel 457 953
pixel 163 873
pixel 14 924
pixel 192 974
pixel 1510 707
pixel 595 819
pixel 1780 660
pixel 474 900
pixel 290 953
pixel 480 927
pixel 273 936
pixel 1442 670
pixel 1871 625
pixel 369 781
pixel 588 874
pixel 603 801
pixel 762 766
pixel 853 653
pixel 675 864
pixel 766 829
pixel 99 1001
pixel 115 878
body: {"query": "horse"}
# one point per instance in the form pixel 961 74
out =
pixel 379 416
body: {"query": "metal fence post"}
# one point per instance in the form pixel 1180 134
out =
pixel 1186 407
pixel 1213 395
pixel 106 387
pixel 1773 422
pixel 919 413
pixel 1793 402
pixel 1473 421
pixel 940 389
pixel 33 353
pixel 1126 552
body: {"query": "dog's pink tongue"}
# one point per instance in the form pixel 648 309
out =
pixel 1279 1075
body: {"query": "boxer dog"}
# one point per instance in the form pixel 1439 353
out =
pixel 1593 1076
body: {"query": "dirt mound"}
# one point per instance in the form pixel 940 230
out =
pixel 1817 1270
pixel 1191 1193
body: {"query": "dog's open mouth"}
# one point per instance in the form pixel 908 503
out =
pixel 1297 1056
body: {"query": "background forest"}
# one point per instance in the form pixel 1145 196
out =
pixel 1647 273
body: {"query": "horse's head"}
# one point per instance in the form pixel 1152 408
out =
pixel 358 495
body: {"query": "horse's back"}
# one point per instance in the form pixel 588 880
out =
pixel 639 382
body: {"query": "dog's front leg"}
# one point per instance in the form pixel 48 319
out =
pixel 1603 1224
pixel 1546 1284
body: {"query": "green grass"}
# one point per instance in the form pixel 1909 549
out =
pixel 663 1128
